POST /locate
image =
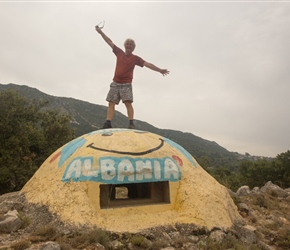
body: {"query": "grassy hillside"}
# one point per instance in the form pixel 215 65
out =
pixel 88 117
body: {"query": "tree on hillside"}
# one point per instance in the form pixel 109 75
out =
pixel 255 173
pixel 29 133
pixel 282 169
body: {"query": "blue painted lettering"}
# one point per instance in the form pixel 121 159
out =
pixel 107 169
pixel 122 170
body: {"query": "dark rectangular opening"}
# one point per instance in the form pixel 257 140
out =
pixel 134 194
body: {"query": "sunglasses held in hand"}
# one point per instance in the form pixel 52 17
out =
pixel 101 24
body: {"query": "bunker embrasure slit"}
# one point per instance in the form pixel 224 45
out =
pixel 134 194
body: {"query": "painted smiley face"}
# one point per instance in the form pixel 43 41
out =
pixel 112 141
pixel 132 141
pixel 120 142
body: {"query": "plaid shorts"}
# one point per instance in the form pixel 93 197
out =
pixel 120 91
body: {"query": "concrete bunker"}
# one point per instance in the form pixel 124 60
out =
pixel 129 180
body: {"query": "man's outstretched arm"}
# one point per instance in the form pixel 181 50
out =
pixel 164 72
pixel 107 39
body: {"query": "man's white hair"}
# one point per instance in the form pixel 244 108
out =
pixel 130 40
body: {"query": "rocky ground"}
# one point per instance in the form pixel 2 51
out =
pixel 265 225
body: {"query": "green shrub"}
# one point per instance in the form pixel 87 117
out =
pixel 48 232
pixel 179 241
pixel 94 236
pixel 283 237
pixel 236 199
pixel 64 246
pixel 25 220
pixel 158 244
pixel 262 201
pixel 229 242
pixel 137 240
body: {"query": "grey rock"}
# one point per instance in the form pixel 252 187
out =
pixel 5 206
pixel 243 207
pixel 217 235
pixel 190 246
pixel 174 235
pixel 50 245
pixel 147 243
pixel 99 246
pixel 273 189
pixel 130 246
pixel 243 190
pixel 255 190
pixel 115 244
pixel 11 222
pixel 166 236
pixel 193 238
pixel 247 234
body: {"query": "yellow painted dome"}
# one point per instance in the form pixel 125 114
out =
pixel 129 180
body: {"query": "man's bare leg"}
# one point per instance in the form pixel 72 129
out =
pixel 130 110
pixel 130 113
pixel 111 111
pixel 110 115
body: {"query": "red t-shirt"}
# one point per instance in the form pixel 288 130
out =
pixel 125 65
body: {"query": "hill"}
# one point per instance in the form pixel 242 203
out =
pixel 87 117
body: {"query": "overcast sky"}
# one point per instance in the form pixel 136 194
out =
pixel 229 62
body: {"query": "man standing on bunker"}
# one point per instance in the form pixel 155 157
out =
pixel 121 87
